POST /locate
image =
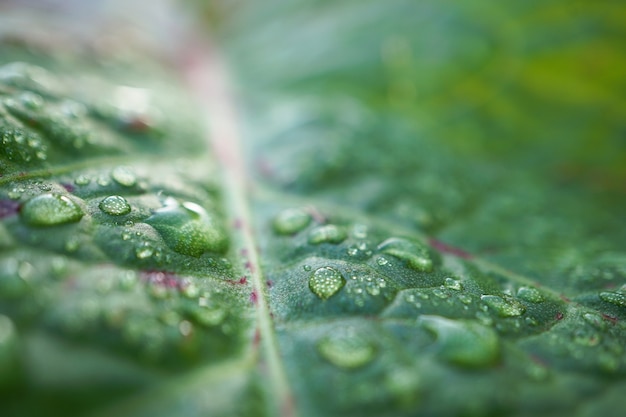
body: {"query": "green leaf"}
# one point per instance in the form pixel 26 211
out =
pixel 365 209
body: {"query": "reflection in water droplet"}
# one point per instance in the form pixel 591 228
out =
pixel 326 282
pixel 50 210
pixel 348 350
pixel 463 343
pixel 508 307
pixel 188 229
pixel 115 205
pixel 124 176
pixel 327 234
pixel 291 221
pixel 416 256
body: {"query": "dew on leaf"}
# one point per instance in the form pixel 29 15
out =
pixel 462 342
pixel 329 233
pixel 416 256
pixel 348 350
pixel 209 316
pixel 326 282
pixel 50 210
pixel 532 295
pixel 616 298
pixel 188 229
pixel 382 261
pixel 503 307
pixel 124 176
pixel 30 100
pixel 114 205
pixel 291 221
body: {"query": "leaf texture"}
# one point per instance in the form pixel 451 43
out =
pixel 364 209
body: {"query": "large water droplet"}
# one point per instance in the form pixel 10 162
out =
pixel 291 221
pixel 51 210
pixel 416 256
pixel 504 307
pixel 188 229
pixel 348 350
pixel 326 282
pixel 464 343
pixel 115 205
pixel 327 234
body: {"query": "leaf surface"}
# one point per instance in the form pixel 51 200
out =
pixel 399 209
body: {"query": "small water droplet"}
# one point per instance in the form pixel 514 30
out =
pixel 416 256
pixel 504 307
pixel 462 342
pixel 306 267
pixel 348 350
pixel 595 320
pixel 126 235
pixel 82 180
pixel 382 261
pixel 440 293
pixel 326 282
pixel 104 182
pixel 190 290
pixel 329 233
pixel 532 295
pixel 124 176
pixel 209 315
pixel 50 210
pixel 188 229
pixel 453 284
pixel 291 221
pixel 115 205
pixel 352 251
pixel 185 328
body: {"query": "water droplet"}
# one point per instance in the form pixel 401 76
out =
pixel 115 205
pixel 185 328
pixel 416 256
pixel 291 221
pixel 462 342
pixel 532 295
pixel 306 267
pixel 209 316
pixel 326 282
pixel 453 284
pixel 440 293
pixel 327 234
pixel 190 290
pixel 124 176
pixel 595 320
pixel 348 350
pixel 188 229
pixel 617 298
pixel 465 298
pixel 51 210
pixel 504 307
pixel 382 261
pixel 82 180
pixel 144 251
pixel 126 235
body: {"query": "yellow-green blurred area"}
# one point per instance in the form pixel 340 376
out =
pixel 543 82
